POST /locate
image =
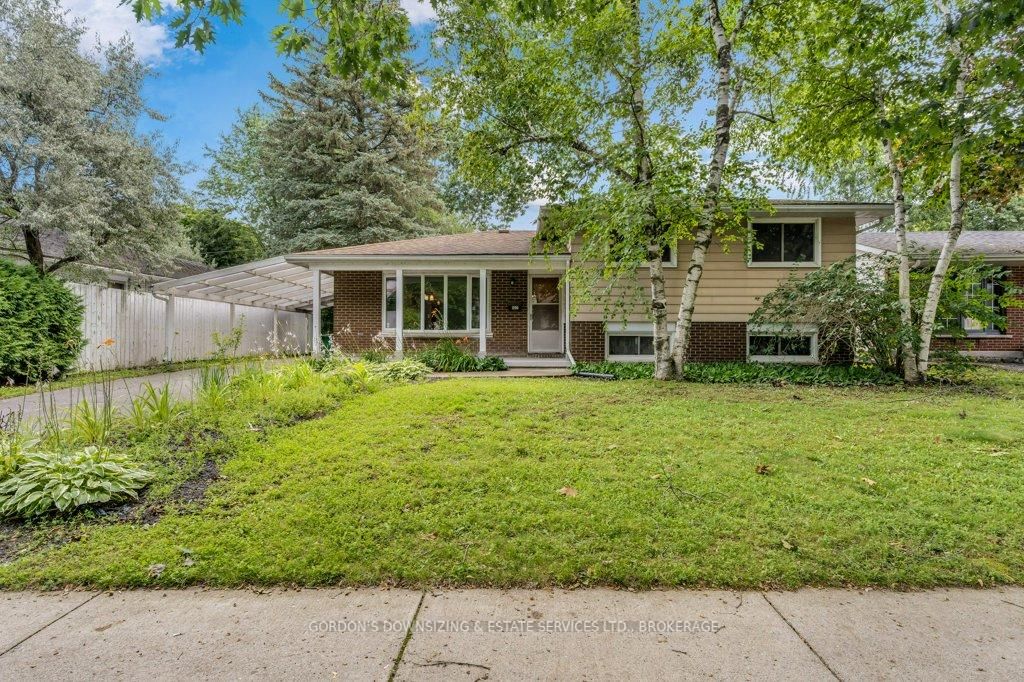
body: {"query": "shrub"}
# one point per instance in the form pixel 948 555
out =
pixel 752 373
pixel 400 371
pixel 376 355
pixel 46 481
pixel 448 356
pixel 40 325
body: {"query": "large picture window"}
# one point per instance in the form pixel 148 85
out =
pixel 785 243
pixel 434 303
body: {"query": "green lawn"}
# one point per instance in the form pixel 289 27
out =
pixel 458 483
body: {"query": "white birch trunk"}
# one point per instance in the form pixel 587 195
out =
pixel 956 208
pixel 659 314
pixel 705 227
pixel 910 373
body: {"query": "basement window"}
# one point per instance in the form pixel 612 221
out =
pixel 630 347
pixel 798 344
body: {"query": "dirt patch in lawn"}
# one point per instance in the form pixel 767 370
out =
pixel 194 489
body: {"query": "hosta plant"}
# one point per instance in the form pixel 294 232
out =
pixel 400 370
pixel 45 481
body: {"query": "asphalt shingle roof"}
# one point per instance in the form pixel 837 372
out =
pixel 490 243
pixel 980 242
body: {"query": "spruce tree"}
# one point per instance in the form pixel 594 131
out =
pixel 345 168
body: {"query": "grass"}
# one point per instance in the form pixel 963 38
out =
pixel 75 379
pixel 464 482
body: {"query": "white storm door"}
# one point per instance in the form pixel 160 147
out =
pixel 545 316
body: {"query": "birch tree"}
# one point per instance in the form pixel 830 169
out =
pixel 71 161
pixel 980 46
pixel 600 113
pixel 892 78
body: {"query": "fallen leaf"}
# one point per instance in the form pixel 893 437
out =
pixel 156 569
pixel 868 481
pixel 568 491
pixel 788 545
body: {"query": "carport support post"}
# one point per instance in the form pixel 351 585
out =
pixel 484 310
pixel 399 313
pixel 277 337
pixel 317 342
pixel 169 329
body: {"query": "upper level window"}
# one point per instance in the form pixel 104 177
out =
pixel 434 303
pixel 789 242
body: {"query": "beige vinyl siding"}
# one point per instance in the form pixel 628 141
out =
pixel 730 290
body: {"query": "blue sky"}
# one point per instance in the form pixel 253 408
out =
pixel 200 93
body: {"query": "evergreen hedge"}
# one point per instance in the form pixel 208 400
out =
pixel 40 325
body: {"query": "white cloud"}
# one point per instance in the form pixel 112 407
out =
pixel 110 20
pixel 420 11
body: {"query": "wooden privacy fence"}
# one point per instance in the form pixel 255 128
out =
pixel 132 329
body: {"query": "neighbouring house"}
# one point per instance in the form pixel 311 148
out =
pixel 136 273
pixel 1003 248
pixel 503 293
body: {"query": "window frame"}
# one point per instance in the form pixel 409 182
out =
pixel 421 331
pixel 816 263
pixel 632 329
pixel 990 284
pixel 810 330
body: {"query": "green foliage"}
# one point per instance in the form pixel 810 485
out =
pixel 751 373
pixel 75 164
pixel 367 40
pixel 155 407
pixel 92 421
pixel 40 325
pixel 457 483
pixel 951 367
pixel 859 307
pixel 221 241
pixel 233 184
pixel 448 356
pixel 375 356
pixel 212 392
pixel 47 481
pixel 400 371
pixel 357 375
pixel 602 110
pixel 226 345
pixel 342 167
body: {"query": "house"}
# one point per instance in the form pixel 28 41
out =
pixel 502 291
pixel 1003 248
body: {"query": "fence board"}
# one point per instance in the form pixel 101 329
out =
pixel 133 321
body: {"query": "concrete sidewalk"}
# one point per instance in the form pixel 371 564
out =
pixel 515 634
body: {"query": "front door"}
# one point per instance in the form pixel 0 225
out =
pixel 545 313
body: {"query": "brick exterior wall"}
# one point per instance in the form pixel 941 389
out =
pixel 357 314
pixel 1012 340
pixel 717 342
pixel 508 288
pixel 587 342
pixel 357 311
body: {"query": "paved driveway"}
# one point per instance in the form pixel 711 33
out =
pixel 596 634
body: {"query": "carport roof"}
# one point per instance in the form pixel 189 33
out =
pixel 269 283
